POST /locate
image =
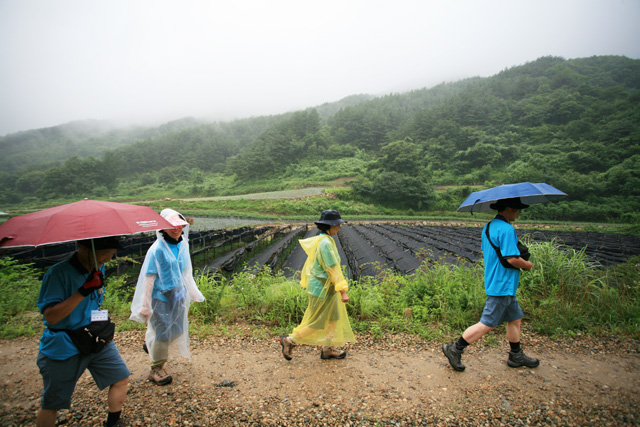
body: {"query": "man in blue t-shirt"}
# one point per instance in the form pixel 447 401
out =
pixel 501 284
pixel 70 298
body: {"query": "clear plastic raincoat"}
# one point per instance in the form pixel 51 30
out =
pixel 325 320
pixel 163 294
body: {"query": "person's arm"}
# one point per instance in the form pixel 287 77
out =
pixel 520 263
pixel 194 293
pixel 145 310
pixel 328 255
pixel 509 245
pixel 339 282
pixel 56 312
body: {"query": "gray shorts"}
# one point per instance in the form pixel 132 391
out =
pixel 498 310
pixel 60 376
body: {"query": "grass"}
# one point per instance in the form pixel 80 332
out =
pixel 563 295
pixel 283 194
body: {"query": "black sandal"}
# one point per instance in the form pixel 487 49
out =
pixel 332 355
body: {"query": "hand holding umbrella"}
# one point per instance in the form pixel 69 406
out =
pixel 94 282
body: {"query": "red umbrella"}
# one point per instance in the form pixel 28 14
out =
pixel 86 219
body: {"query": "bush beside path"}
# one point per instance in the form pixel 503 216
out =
pixel 397 380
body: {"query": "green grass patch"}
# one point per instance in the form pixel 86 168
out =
pixel 563 295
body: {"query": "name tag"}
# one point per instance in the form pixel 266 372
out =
pixel 97 315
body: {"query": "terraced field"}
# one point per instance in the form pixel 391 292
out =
pixel 365 248
pixel 368 248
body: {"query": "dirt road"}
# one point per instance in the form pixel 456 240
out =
pixel 395 380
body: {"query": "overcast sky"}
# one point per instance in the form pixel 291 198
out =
pixel 155 61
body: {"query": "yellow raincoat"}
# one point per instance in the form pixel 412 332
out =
pixel 325 320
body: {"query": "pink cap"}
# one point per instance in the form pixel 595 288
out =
pixel 173 217
pixel 177 220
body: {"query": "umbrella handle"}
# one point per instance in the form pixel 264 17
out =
pixel 93 248
pixel 474 203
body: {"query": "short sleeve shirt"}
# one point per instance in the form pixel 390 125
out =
pixel 59 283
pixel 168 266
pixel 498 280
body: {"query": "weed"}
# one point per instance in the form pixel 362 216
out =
pixel 564 294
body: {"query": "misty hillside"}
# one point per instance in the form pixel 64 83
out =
pixel 84 138
pixel 571 123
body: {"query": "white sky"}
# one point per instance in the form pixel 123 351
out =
pixel 150 61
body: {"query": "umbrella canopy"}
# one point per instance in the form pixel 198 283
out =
pixel 86 219
pixel 479 201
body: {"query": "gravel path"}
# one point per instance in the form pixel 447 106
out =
pixel 396 380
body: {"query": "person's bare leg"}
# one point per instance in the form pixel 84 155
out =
pixel 46 417
pixel 117 394
pixel 302 332
pixel 475 332
pixel 513 330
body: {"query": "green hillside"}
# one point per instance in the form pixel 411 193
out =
pixel 571 123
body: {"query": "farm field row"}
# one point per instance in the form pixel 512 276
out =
pixel 367 248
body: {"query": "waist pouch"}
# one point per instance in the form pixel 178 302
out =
pixel 91 338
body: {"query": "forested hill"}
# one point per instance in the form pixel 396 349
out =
pixel 571 123
pixel 46 147
pixel 82 138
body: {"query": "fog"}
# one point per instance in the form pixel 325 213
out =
pixel 154 61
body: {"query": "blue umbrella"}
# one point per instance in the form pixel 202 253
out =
pixel 479 201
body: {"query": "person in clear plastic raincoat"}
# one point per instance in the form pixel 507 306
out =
pixel 325 320
pixel 163 294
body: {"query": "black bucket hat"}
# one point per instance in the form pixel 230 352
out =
pixel 330 217
pixel 111 242
pixel 502 204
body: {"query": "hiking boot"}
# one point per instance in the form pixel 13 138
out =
pixel 332 354
pixel 520 359
pixel 159 376
pixel 454 355
pixel 287 347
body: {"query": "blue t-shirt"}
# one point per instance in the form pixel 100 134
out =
pixel 326 256
pixel 498 280
pixel 59 283
pixel 168 266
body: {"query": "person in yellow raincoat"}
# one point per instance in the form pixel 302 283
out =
pixel 325 320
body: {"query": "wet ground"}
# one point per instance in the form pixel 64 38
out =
pixel 396 380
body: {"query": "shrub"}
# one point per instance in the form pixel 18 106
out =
pixel 20 289
pixel 564 293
